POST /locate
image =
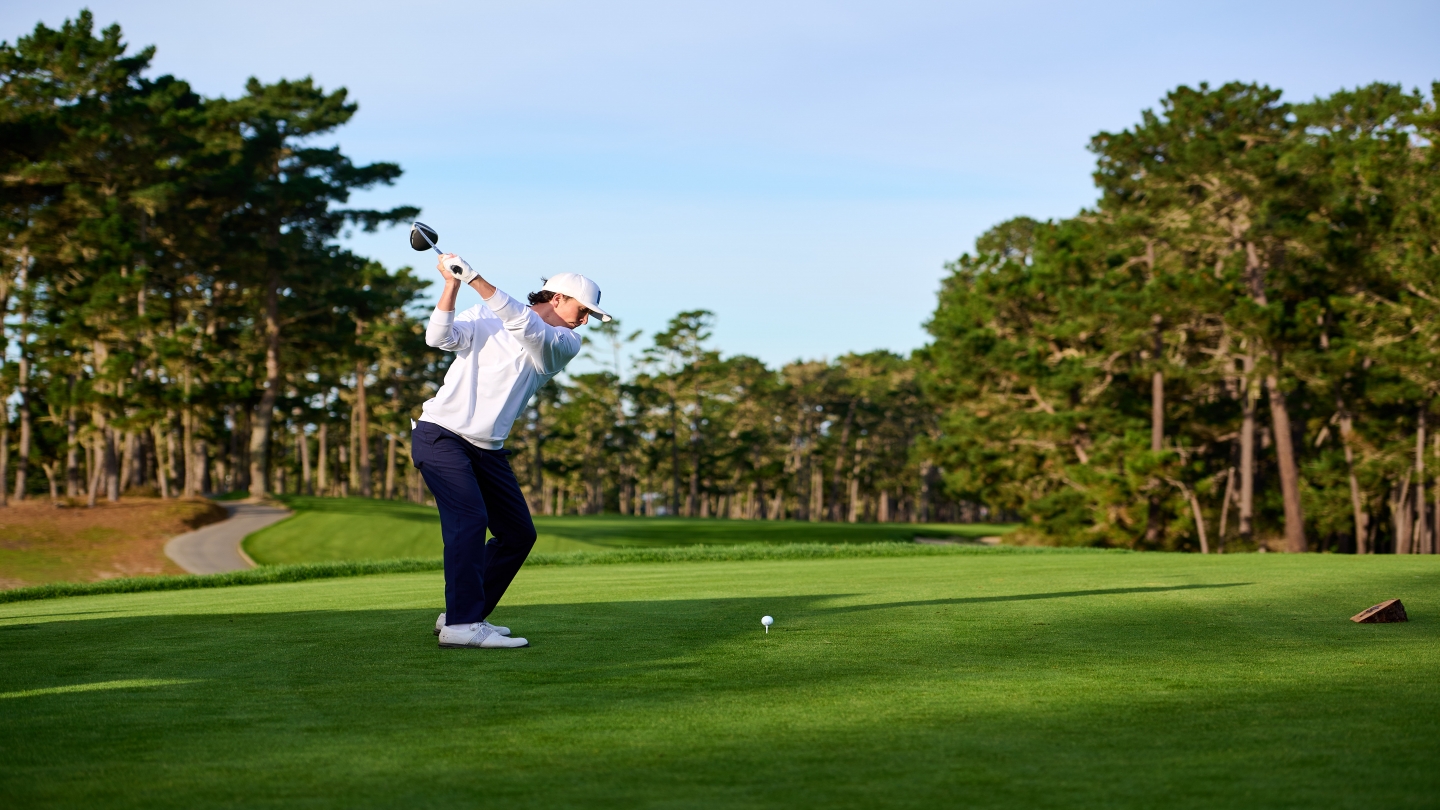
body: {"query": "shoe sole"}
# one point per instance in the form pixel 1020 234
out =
pixel 445 646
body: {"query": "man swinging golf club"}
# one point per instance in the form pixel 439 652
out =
pixel 504 351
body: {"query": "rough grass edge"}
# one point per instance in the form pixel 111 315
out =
pixel 269 574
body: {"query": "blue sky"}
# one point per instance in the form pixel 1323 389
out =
pixel 802 169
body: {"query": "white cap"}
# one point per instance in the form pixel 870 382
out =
pixel 580 288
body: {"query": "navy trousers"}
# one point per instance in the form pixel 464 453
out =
pixel 475 490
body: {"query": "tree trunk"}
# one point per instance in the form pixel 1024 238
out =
pixel 347 459
pixel 237 477
pixel 4 458
pixel 193 470
pixel 674 457
pixel 1255 271
pixel 1247 453
pixel 1357 498
pixel 22 452
pixel 693 498
pixel 265 411
pixel 927 475
pixel 390 468
pixel 162 467
pixel 127 460
pixel 884 515
pixel 1225 509
pixel 97 467
pixel 112 467
pixel 1401 516
pixel 305 476
pixel 1197 513
pixel 1422 535
pixel 1155 522
pixel 322 482
pixel 836 493
pixel 72 450
pixel 537 464
pixel 854 511
pixel 362 413
pixel 817 493
pixel 172 451
pixel 1157 389
pixel 202 462
pixel 1289 469
pixel 49 469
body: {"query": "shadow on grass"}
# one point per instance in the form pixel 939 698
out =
pixel 1026 597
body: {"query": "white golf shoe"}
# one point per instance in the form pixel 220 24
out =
pixel 479 635
pixel 440 623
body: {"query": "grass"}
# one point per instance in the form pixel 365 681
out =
pixel 41 543
pixel 299 572
pixel 335 529
pixel 954 679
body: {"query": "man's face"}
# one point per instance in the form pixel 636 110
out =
pixel 572 312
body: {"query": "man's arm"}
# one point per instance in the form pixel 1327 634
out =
pixel 549 347
pixel 443 332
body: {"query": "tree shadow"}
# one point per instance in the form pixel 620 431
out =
pixel 1026 597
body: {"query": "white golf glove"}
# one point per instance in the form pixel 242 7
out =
pixel 466 274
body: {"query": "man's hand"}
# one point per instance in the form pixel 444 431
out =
pixel 453 281
pixel 449 262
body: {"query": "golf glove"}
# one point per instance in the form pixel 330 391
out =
pixel 466 272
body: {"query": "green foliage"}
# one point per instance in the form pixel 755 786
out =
pixel 1243 249
pixel 171 278
pixel 693 433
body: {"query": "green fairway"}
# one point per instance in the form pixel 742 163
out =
pixel 985 680
pixel 325 529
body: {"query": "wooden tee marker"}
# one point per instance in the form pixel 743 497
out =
pixel 1388 611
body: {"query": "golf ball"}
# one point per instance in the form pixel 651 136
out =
pixel 767 620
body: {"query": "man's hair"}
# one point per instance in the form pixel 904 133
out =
pixel 541 297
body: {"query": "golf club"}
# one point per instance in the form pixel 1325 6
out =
pixel 423 236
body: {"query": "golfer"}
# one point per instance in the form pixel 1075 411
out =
pixel 504 351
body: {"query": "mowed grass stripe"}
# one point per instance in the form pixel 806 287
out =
pixel 989 680
pixel 268 574
pixel 344 529
pixel 99 686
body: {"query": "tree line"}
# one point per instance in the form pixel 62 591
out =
pixel 1239 341
pixel 174 299
pixel 180 319
pixel 1234 348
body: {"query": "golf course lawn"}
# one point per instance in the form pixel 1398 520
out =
pixel 331 529
pixel 988 679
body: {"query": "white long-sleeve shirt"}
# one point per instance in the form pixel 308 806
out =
pixel 503 354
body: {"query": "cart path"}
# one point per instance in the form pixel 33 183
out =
pixel 215 549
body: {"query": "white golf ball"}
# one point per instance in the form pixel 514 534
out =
pixel 767 620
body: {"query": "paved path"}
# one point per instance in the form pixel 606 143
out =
pixel 215 549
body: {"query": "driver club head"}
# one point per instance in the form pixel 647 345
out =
pixel 423 237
